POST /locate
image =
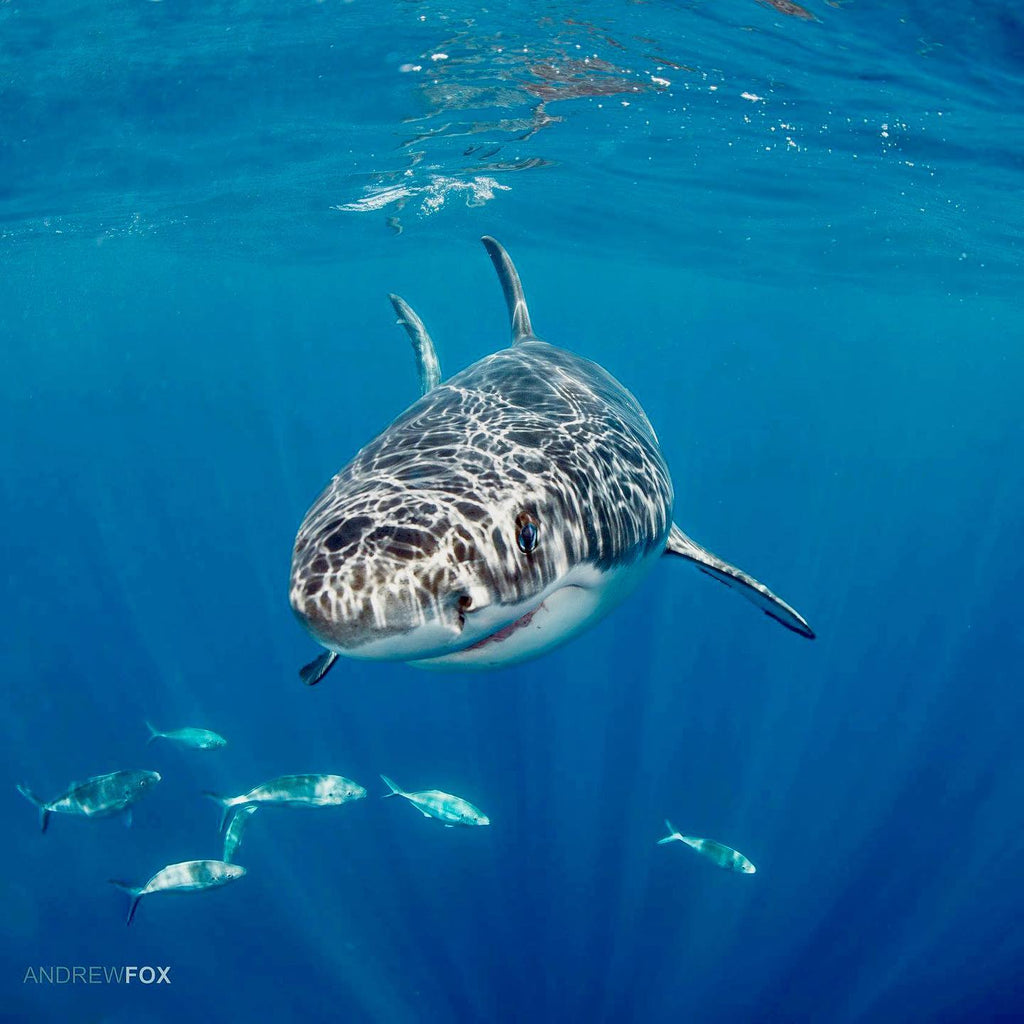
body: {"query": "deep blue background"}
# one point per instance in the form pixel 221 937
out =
pixel 826 337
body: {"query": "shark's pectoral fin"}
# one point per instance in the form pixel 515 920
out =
pixel 427 365
pixel 756 593
pixel 312 673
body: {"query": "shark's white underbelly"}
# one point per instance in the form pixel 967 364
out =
pixel 581 598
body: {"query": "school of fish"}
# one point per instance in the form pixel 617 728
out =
pixel 117 792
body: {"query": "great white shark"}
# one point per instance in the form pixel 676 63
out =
pixel 505 511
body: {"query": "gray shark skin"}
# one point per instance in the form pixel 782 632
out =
pixel 98 797
pixel 506 510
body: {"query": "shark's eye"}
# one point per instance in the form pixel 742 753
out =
pixel 526 535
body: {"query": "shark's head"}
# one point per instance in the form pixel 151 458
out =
pixel 497 517
pixel 450 575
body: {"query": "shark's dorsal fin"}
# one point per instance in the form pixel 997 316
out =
pixel 426 356
pixel 757 593
pixel 522 330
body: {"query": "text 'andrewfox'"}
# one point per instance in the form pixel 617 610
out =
pixel 96 975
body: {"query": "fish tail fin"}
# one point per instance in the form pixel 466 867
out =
pixel 395 791
pixel 154 734
pixel 671 834
pixel 134 891
pixel 226 803
pixel 233 842
pixel 44 813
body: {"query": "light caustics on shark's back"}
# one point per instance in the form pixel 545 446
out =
pixel 506 510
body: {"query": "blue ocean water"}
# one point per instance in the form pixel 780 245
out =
pixel 794 232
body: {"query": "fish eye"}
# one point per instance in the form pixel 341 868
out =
pixel 527 533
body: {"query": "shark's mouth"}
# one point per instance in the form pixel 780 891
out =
pixel 506 631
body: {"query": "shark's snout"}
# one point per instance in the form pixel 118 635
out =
pixel 388 595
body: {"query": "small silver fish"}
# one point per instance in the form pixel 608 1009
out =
pixel 294 791
pixel 236 828
pixel 197 739
pixel 432 803
pixel 188 876
pixel 98 797
pixel 718 853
